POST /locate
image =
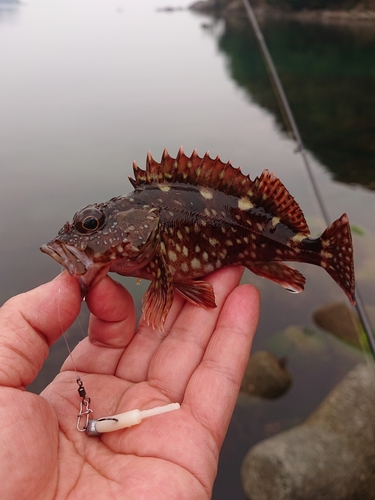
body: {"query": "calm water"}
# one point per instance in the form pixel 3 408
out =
pixel 88 86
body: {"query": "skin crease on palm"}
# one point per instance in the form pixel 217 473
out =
pixel 198 361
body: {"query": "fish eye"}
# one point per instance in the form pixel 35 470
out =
pixel 89 220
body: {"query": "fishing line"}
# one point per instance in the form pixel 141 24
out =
pixel 63 333
pixel 96 427
pixel 291 126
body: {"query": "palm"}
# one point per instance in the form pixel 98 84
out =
pixel 198 362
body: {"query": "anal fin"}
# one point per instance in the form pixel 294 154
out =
pixel 280 273
pixel 197 292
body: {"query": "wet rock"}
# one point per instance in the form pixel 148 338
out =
pixel 266 376
pixel 329 457
pixel 338 319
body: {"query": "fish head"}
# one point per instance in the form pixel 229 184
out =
pixel 101 238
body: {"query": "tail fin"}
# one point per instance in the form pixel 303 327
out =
pixel 337 255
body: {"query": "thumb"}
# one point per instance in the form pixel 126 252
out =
pixel 30 323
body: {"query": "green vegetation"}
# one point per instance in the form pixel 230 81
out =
pixel 328 74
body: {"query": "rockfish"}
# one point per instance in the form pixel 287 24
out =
pixel 189 216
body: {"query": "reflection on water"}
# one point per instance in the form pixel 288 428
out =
pixel 328 73
pixel 87 87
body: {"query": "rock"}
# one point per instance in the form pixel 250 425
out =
pixel 341 321
pixel 331 456
pixel 205 6
pixel 266 376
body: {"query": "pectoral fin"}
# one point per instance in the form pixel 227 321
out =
pixel 158 299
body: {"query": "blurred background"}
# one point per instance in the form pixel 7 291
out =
pixel 88 86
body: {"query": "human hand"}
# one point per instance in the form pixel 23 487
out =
pixel 198 361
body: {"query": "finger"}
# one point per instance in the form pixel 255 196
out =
pixel 183 349
pixel 30 323
pixel 111 327
pixel 112 323
pixel 136 360
pixel 213 388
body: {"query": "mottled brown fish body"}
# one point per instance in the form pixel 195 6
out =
pixel 189 216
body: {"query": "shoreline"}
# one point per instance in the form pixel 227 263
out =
pixel 234 10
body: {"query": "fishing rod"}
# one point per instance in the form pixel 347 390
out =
pixel 291 124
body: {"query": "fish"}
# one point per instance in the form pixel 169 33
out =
pixel 189 216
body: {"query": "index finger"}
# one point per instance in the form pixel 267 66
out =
pixel 213 388
pixel 111 328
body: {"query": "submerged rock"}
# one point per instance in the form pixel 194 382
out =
pixel 341 321
pixel 329 457
pixel 266 376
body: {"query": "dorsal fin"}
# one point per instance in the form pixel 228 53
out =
pixel 271 194
pixel 266 191
pixel 205 172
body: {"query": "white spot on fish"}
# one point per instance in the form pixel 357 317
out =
pixel 184 267
pixel 298 237
pixel 172 255
pixel 195 263
pixel 206 194
pixel 244 204
pixel 185 251
pixel 165 188
pixel 275 221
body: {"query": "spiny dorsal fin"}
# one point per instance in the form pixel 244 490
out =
pixel 206 172
pixel 266 191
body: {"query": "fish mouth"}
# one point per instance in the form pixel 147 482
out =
pixel 78 264
pixel 75 261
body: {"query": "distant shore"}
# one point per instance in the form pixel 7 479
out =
pixel 233 10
